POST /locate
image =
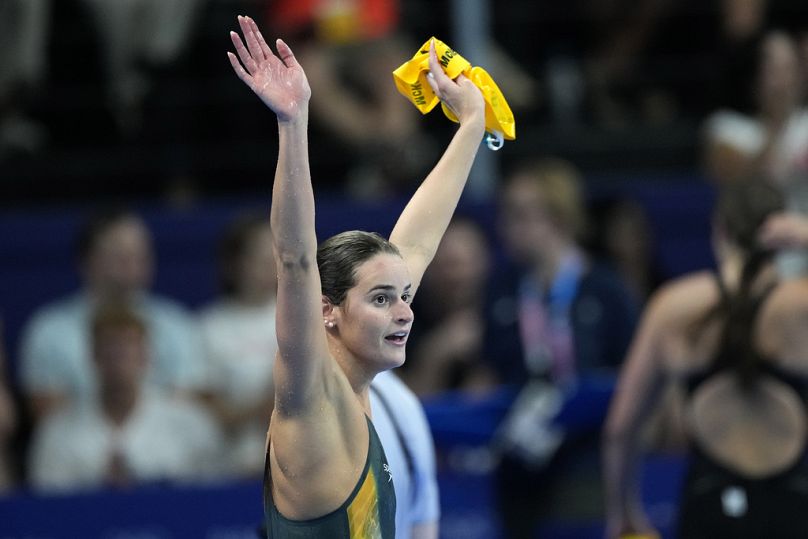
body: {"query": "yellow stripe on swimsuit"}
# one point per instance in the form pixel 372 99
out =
pixel 363 512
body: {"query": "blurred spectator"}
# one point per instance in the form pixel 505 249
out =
pixel 733 340
pixel 404 432
pixel 554 315
pixel 8 422
pixel 623 238
pixel 125 433
pixel 23 42
pixel 617 71
pixel 656 61
pixel 741 26
pixel 774 140
pixel 615 63
pixel 445 349
pixel 116 263
pixel 136 36
pixel 238 335
pixel 350 49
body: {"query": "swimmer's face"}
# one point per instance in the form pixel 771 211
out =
pixel 375 318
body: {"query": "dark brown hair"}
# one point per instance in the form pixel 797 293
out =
pixel 339 256
pixel 742 208
pixel 96 225
pixel 561 187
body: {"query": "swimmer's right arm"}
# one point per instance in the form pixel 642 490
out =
pixel 281 84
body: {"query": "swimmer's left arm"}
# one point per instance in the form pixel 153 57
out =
pixel 424 220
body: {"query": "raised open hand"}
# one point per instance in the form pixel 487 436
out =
pixel 460 95
pixel 277 79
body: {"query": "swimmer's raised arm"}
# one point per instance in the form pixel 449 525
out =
pixel 281 84
pixel 421 225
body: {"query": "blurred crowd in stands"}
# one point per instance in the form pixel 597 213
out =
pixel 101 98
pixel 104 101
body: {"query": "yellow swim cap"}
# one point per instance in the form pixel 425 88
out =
pixel 410 79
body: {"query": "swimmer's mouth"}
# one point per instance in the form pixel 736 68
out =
pixel 398 338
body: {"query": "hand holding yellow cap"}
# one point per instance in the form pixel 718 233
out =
pixel 410 79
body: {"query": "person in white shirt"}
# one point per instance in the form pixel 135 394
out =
pixel 127 433
pixel 116 263
pixel 402 425
pixel 774 141
pixel 239 342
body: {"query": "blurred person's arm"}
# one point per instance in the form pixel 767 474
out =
pixel 785 230
pixel 407 413
pixel 8 419
pixel 232 416
pixel 228 414
pixel 203 442
pixel 178 352
pixel 520 87
pixel 625 310
pixel 344 110
pixel 8 415
pixel 426 507
pixel 639 384
pixel 57 462
pixel 626 34
pixel 454 342
pixel 42 404
pixel 333 104
pixel 42 374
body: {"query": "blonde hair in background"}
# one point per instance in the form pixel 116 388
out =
pixel 561 186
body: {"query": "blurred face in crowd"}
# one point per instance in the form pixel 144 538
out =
pixel 526 226
pixel 257 276
pixel 460 268
pixel 742 18
pixel 121 356
pixel 120 261
pixel 780 78
pixel 627 234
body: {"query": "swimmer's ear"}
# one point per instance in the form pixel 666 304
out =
pixel 328 313
pixel 328 307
